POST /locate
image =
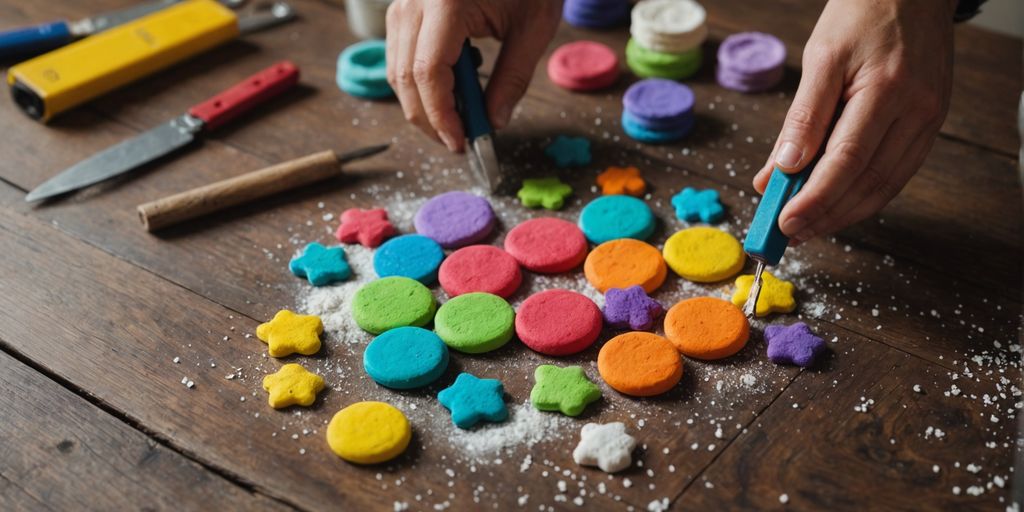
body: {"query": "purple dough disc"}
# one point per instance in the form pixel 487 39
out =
pixel 455 219
pixel 748 83
pixel 751 53
pixel 658 98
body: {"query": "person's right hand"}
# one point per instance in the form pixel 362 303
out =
pixel 424 39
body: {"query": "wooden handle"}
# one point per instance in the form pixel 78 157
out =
pixel 240 189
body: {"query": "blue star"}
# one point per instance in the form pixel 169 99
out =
pixel 793 344
pixel 321 265
pixel 692 205
pixel 472 399
pixel 569 151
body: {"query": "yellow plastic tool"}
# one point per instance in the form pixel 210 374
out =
pixel 57 81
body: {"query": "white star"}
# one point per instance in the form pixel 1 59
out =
pixel 606 446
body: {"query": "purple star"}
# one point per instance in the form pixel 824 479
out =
pixel 793 344
pixel 630 307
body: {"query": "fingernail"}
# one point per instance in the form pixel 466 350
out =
pixel 804 235
pixel 794 225
pixel 504 113
pixel 789 156
pixel 448 141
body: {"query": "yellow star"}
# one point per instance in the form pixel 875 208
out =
pixel 776 295
pixel 288 333
pixel 292 385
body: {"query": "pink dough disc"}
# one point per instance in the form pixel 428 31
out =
pixel 480 268
pixel 547 245
pixel 558 322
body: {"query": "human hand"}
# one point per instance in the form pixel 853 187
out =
pixel 424 39
pixel 890 62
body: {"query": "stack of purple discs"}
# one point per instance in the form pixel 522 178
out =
pixel 657 111
pixel 751 62
pixel 596 13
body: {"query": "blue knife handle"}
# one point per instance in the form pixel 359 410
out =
pixel 31 41
pixel 764 239
pixel 469 97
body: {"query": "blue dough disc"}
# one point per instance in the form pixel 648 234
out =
pixel 362 70
pixel 406 358
pixel 612 217
pixel 637 132
pixel 413 256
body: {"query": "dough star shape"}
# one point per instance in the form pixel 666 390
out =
pixel 473 399
pixel 569 151
pixel 621 180
pixel 630 308
pixel 321 265
pixel 776 295
pixel 606 446
pixel 567 390
pixel 288 333
pixel 692 205
pixel 367 227
pixel 292 385
pixel 547 192
pixel 793 344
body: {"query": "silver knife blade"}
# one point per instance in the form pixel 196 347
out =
pixel 483 160
pixel 107 20
pixel 266 16
pixel 122 157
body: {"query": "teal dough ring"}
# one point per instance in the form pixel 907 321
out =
pixel 475 323
pixel 392 302
pixel 413 256
pixel 617 216
pixel 405 358
pixel 362 70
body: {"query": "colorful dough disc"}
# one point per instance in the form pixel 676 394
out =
pixel 583 65
pixel 413 256
pixel 640 133
pixel 612 217
pixel 658 98
pixel 623 263
pixel 707 328
pixel 752 53
pixel 475 323
pixel 547 245
pixel 649 63
pixel 640 364
pixel 393 302
pixel 362 70
pixel 480 268
pixel 703 254
pixel 369 433
pixel 405 358
pixel 558 322
pixel 595 14
pixel 455 219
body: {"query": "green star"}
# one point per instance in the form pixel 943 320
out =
pixel 563 389
pixel 547 192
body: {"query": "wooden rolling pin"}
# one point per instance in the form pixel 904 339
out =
pixel 247 187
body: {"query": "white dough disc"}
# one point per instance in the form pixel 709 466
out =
pixel 669 44
pixel 668 17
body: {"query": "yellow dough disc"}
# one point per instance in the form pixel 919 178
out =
pixel 704 254
pixel 368 433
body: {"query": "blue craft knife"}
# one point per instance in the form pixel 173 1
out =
pixel 25 42
pixel 469 101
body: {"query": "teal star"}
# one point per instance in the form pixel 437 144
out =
pixel 472 399
pixel 569 151
pixel 547 192
pixel 563 389
pixel 693 205
pixel 321 265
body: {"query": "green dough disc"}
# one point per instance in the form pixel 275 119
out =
pixel 475 323
pixel 393 302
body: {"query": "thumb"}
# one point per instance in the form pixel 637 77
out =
pixel 512 74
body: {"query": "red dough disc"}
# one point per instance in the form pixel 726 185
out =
pixel 583 66
pixel 547 245
pixel 558 322
pixel 480 268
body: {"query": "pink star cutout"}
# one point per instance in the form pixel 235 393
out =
pixel 367 227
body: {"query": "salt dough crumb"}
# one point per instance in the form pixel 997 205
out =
pixel 783 498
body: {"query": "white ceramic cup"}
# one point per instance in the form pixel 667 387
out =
pixel 366 17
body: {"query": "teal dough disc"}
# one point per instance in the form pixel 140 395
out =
pixel 406 358
pixel 612 217
pixel 413 256
pixel 362 70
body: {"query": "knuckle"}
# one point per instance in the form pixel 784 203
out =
pixel 821 56
pixel 424 70
pixel 403 76
pixel 850 155
pixel 874 179
pixel 799 120
pixel 518 82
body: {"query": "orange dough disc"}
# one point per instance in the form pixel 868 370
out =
pixel 640 364
pixel 707 328
pixel 623 263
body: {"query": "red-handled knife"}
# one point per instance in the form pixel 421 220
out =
pixel 174 134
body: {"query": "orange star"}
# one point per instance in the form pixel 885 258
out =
pixel 621 180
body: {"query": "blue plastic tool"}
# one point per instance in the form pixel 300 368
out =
pixel 469 101
pixel 765 241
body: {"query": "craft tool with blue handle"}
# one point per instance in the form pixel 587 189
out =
pixel 469 101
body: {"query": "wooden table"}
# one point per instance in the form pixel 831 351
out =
pixel 94 311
